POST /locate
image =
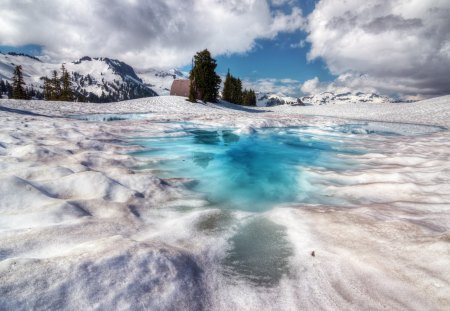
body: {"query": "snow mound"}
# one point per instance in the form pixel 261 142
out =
pixel 108 274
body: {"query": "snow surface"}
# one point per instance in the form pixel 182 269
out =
pixel 80 229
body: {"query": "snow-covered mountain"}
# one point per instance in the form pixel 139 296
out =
pixel 268 100
pixel 326 98
pixel 96 79
pixel 105 79
pixel 159 80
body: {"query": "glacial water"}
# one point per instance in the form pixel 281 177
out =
pixel 247 175
pixel 108 117
pixel 250 172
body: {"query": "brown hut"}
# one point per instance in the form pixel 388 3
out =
pixel 180 88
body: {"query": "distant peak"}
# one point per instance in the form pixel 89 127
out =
pixel 22 54
pixel 84 58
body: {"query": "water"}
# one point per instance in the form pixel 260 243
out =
pixel 108 117
pixel 260 252
pixel 250 172
pixel 387 128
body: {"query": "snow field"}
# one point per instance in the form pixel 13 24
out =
pixel 80 229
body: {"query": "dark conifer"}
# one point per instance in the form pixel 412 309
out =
pixel 48 92
pixel 18 84
pixel 205 82
pixel 55 86
pixel 9 90
pixel 227 86
pixel 237 99
pixel 2 87
pixel 66 90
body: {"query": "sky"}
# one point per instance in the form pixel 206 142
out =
pixel 399 48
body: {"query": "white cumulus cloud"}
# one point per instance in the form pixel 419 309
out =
pixel 143 33
pixel 282 87
pixel 392 46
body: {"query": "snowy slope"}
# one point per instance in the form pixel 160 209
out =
pixel 160 80
pixel 33 68
pixel 327 98
pixel 269 100
pixel 98 79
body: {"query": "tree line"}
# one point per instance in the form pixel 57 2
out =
pixel 205 83
pixel 233 93
pixel 58 87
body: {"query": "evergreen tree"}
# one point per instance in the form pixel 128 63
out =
pixel 252 98
pixel 205 82
pixel 55 86
pixel 3 89
pixel 48 92
pixel 245 97
pixel 237 94
pixel 249 97
pixel 9 90
pixel 18 84
pixel 227 86
pixel 66 90
pixel 232 90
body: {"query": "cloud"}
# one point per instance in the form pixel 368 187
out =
pixel 396 47
pixel 349 82
pixel 298 45
pixel 143 33
pixel 286 87
pixel 282 2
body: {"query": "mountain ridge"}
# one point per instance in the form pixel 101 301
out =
pixel 103 79
pixel 96 79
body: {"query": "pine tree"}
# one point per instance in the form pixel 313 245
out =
pixel 205 82
pixel 232 90
pixel 48 92
pixel 249 97
pixel 18 84
pixel 192 93
pixel 237 95
pixel 245 97
pixel 66 90
pixel 2 87
pixel 227 86
pixel 252 98
pixel 9 90
pixel 55 86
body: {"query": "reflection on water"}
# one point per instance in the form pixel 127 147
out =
pixel 205 137
pixel 259 253
pixel 229 137
pixel 202 159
